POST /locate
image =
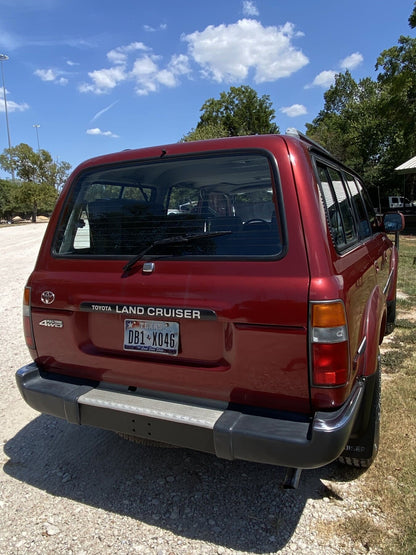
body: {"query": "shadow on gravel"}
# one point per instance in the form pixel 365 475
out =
pixel 238 505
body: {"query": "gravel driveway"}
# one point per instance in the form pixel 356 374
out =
pixel 69 489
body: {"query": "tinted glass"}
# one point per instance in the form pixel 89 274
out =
pixel 371 213
pixel 338 205
pixel 222 206
pixel 344 204
pixel 331 205
pixel 364 227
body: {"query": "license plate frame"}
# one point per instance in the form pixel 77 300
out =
pixel 151 336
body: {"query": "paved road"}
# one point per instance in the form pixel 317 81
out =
pixel 69 489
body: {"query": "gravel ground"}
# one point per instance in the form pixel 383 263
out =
pixel 69 489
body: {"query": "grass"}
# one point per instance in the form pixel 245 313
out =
pixel 390 484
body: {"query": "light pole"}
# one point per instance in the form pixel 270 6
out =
pixel 3 58
pixel 36 126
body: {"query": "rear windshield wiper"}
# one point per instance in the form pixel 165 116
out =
pixel 177 239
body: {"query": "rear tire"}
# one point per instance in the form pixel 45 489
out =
pixel 362 447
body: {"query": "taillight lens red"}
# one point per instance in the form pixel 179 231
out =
pixel 329 344
pixel 330 364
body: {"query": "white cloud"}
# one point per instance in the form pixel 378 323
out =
pixel 227 52
pixel 324 79
pixel 145 71
pixel 294 110
pixel 46 74
pixel 352 61
pixel 249 8
pixel 119 55
pixel 148 75
pixel 104 80
pixel 14 106
pixel 52 76
pixel 97 131
pixel 327 78
pixel 150 29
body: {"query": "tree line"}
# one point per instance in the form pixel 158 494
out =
pixel 370 125
pixel 36 181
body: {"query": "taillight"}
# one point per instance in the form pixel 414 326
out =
pixel 329 344
pixel 27 319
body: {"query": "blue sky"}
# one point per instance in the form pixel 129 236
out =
pixel 99 76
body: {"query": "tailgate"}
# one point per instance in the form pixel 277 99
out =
pixel 238 336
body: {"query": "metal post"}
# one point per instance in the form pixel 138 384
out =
pixel 36 126
pixel 3 58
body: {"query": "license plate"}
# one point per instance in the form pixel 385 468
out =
pixel 151 336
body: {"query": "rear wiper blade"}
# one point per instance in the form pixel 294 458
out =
pixel 177 239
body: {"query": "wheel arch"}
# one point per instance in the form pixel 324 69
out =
pixel 372 331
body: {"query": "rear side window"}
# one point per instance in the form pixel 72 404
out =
pixel 359 201
pixel 351 216
pixel 338 206
pixel 371 213
pixel 213 206
pixel 344 204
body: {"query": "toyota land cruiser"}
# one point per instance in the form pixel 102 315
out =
pixel 228 296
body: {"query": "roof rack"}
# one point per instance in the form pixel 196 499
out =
pixel 293 132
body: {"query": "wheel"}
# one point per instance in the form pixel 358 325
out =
pixel 362 447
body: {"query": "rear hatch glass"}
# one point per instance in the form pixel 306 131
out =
pixel 223 205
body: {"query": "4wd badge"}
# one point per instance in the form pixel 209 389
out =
pixel 52 323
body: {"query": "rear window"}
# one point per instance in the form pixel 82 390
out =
pixel 214 206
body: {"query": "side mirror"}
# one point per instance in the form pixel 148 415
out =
pixel 393 222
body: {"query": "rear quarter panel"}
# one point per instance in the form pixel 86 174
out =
pixel 358 277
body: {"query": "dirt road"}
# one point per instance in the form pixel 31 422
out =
pixel 69 489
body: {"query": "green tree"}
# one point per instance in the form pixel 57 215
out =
pixel 371 125
pixel 412 18
pixel 7 199
pixel 208 131
pixel 349 125
pixel 39 175
pixel 330 127
pixel 398 79
pixel 37 167
pixel 240 111
pixel 34 197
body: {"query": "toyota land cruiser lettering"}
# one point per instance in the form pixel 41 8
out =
pixel 228 296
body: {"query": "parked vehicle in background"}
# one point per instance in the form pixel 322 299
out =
pixel 402 203
pixel 228 296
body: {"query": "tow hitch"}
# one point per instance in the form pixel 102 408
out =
pixel 292 478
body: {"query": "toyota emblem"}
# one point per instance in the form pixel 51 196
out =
pixel 47 297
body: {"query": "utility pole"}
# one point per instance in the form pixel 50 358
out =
pixel 3 58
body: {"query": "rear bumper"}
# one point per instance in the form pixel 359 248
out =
pixel 212 427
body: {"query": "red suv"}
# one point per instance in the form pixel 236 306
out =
pixel 228 296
